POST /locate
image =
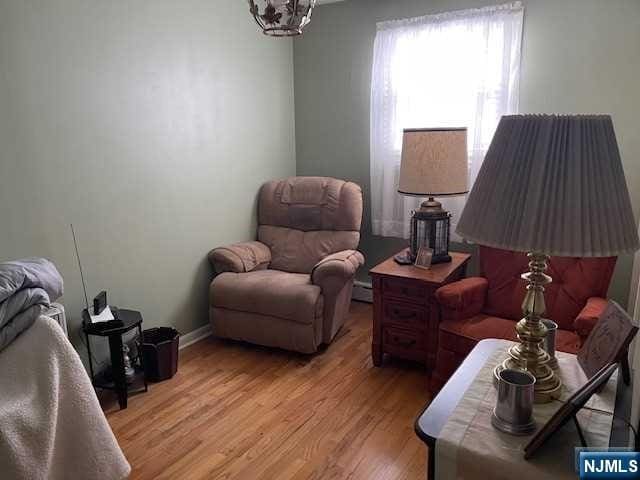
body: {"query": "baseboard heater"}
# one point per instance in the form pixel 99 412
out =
pixel 362 291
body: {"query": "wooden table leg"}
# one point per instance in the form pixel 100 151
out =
pixel 431 463
pixel 376 354
pixel 117 367
pixel 376 341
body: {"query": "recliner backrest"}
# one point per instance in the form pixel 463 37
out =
pixel 304 219
pixel 574 281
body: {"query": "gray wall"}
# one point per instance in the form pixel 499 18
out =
pixel 150 125
pixel 578 56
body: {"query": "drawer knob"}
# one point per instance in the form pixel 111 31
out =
pixel 403 315
pixel 405 342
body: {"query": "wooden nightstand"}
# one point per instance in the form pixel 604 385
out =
pixel 405 313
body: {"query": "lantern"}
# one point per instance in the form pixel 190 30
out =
pixel 430 229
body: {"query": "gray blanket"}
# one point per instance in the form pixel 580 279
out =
pixel 26 287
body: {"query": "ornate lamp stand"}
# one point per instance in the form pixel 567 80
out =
pixel 529 355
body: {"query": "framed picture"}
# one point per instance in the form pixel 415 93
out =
pixel 569 410
pixel 608 342
pixel 423 258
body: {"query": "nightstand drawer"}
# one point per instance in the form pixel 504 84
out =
pixel 397 337
pixel 405 315
pixel 403 343
pixel 407 290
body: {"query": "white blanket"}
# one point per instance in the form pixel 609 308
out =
pixel 51 424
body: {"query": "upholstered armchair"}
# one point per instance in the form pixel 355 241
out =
pixel 291 288
pixel 489 306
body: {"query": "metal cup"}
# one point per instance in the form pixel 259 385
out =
pixel 549 343
pixel 514 408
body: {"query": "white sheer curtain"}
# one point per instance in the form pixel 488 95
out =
pixel 457 69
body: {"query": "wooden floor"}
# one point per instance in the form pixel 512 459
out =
pixel 237 411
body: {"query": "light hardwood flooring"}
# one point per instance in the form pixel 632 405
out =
pixel 237 411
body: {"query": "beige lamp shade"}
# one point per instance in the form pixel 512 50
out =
pixel 552 184
pixel 434 162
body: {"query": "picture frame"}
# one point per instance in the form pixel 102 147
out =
pixel 424 257
pixel 569 410
pixel 608 342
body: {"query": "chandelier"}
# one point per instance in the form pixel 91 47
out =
pixel 282 18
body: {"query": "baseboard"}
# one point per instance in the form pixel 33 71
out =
pixel 362 291
pixel 194 336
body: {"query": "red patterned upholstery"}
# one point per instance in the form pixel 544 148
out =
pixel 488 306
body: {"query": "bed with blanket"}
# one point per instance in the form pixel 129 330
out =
pixel 51 424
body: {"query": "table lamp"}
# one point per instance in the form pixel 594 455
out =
pixel 549 185
pixel 433 164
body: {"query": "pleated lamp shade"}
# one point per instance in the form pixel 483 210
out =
pixel 552 184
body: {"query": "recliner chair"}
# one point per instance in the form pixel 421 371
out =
pixel 291 288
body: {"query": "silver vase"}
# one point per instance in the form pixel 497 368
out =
pixel 514 408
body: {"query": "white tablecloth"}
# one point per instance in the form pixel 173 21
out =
pixel 469 447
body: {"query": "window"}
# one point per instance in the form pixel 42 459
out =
pixel 457 69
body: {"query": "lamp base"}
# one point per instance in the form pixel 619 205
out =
pixel 405 258
pixel 528 354
pixel 431 206
pixel 440 259
pixel 547 387
pixel 430 228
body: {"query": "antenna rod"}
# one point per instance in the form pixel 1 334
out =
pixel 84 287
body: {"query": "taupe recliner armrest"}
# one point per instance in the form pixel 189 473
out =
pixel 334 270
pixel 240 257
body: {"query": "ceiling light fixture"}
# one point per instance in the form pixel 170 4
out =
pixel 282 18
